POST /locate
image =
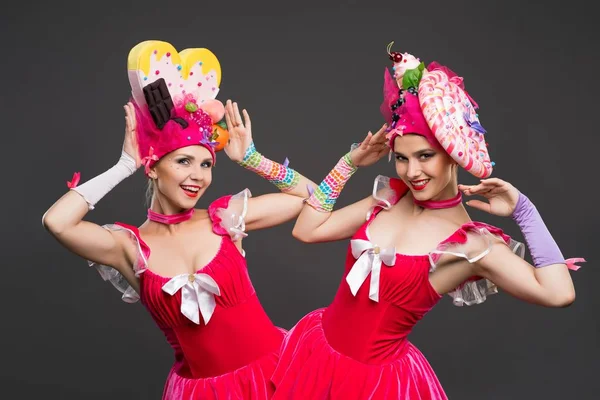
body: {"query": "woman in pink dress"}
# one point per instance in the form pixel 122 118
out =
pixel 187 265
pixel 416 244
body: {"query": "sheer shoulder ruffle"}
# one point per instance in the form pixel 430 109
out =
pixel 228 213
pixel 114 277
pixel 472 241
pixel 386 192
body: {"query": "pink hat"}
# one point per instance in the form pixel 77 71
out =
pixel 432 102
pixel 173 94
pixel 402 112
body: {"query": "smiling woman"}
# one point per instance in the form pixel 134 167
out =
pixel 187 265
pixel 416 244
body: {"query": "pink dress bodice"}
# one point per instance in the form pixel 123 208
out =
pixel 379 328
pixel 239 330
pixel 225 345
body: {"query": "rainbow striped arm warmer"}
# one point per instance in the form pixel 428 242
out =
pixel 285 178
pixel 324 197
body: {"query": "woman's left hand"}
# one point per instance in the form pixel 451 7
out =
pixel 502 196
pixel 240 132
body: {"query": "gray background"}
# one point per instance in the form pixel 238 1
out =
pixel 311 77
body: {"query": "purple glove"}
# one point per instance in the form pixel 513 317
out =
pixel 544 250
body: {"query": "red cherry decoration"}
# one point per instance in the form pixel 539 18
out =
pixel 394 56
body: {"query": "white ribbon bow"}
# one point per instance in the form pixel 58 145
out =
pixel 369 258
pixel 197 295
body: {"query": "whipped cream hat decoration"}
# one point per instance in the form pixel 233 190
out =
pixel 174 96
pixel 432 102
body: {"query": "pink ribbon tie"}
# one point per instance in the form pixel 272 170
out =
pixel 571 263
pixel 148 159
pixel 74 181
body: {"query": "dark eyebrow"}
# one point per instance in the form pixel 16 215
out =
pixel 428 150
pixel 192 158
pixel 416 153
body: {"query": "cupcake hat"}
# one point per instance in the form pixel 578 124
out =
pixel 432 102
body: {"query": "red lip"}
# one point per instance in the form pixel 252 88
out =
pixel 191 194
pixel 420 187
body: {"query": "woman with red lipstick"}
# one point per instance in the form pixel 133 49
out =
pixel 187 265
pixel 417 243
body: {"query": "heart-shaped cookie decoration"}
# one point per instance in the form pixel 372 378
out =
pixel 192 72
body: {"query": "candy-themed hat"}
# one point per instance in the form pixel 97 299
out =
pixel 432 102
pixel 174 96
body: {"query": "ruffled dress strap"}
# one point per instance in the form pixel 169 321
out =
pixel 472 241
pixel 228 215
pixel 113 276
pixel 386 192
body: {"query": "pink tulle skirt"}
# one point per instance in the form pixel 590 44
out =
pixel 251 382
pixel 309 368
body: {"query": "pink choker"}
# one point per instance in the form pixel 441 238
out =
pixel 439 204
pixel 170 219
